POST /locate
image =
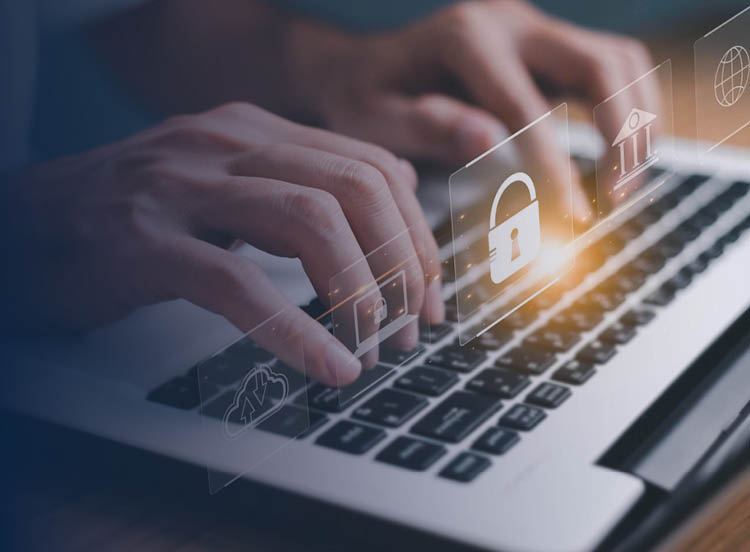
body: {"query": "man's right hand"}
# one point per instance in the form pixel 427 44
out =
pixel 151 218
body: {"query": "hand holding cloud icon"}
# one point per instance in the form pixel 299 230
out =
pixel 262 393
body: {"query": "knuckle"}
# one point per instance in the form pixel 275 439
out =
pixel 363 182
pixel 317 210
pixel 415 285
pixel 464 16
pixel 235 109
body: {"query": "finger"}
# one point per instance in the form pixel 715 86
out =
pixel 507 90
pixel 235 287
pixel 608 71
pixel 366 201
pixel 397 175
pixel 294 221
pixel 434 127
pixel 588 64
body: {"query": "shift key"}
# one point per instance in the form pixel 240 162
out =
pixel 457 416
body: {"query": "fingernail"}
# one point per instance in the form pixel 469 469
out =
pixel 343 367
pixel 435 301
pixel 406 338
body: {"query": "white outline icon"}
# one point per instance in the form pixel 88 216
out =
pixel 515 242
pixel 738 61
pixel 638 123
pixel 254 399
pixel 381 311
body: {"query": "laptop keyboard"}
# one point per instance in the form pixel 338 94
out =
pixel 443 392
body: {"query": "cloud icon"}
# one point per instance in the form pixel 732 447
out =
pixel 262 393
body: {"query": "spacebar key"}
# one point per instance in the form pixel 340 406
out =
pixel 457 416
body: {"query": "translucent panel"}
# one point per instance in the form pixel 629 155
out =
pixel 252 403
pixel 636 125
pixel 517 242
pixel 722 75
pixel 375 309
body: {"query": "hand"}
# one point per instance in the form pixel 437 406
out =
pixel 150 219
pixel 389 88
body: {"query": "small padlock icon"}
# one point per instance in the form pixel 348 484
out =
pixel 380 310
pixel 515 242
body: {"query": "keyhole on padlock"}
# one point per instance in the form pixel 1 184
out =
pixel 515 250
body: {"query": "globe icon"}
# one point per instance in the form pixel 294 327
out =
pixel 732 76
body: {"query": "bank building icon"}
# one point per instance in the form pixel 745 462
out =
pixel 634 142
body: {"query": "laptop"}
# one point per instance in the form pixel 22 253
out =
pixel 523 439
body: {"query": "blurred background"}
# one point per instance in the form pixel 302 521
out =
pixel 80 104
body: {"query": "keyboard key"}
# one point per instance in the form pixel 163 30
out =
pixel 496 440
pixel 521 318
pixel 638 317
pixel 427 381
pixel 315 308
pixel 649 261
pixel 602 299
pixel 549 297
pixel 182 392
pixel 679 281
pixel 574 372
pixel 527 361
pixel 493 339
pixel 465 467
pixel 691 183
pixel 627 281
pixel 577 320
pixel 457 416
pixel 351 437
pixel 618 333
pixel 522 417
pixel 661 297
pixel 224 369
pixel 219 407
pixel 713 252
pixel 411 454
pixel 628 231
pixel 434 332
pixel 718 206
pixel 697 265
pixel 553 340
pixel 291 421
pixel 702 219
pixel 548 395
pixel 455 357
pixel 739 189
pixel 729 238
pixel 336 399
pixel 389 408
pixel 685 232
pixel 597 352
pixel 396 358
pixel 498 382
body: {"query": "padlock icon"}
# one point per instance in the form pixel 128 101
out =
pixel 380 310
pixel 515 242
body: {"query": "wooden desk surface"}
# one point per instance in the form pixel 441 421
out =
pixel 64 491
